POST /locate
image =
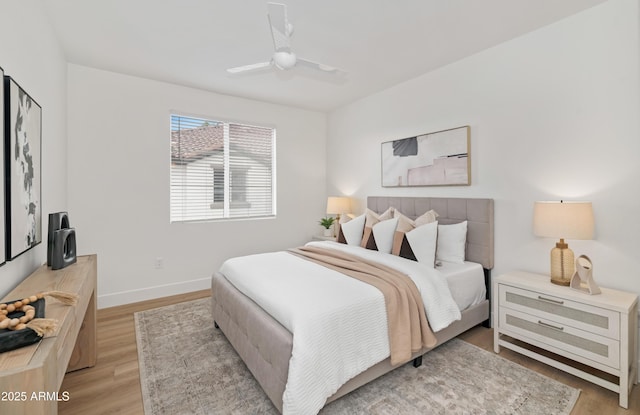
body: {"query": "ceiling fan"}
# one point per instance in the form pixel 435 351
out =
pixel 283 57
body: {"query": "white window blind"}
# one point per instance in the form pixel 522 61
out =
pixel 221 170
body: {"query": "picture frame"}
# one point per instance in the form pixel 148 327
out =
pixel 3 235
pixel 441 158
pixel 23 195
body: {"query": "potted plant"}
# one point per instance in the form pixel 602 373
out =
pixel 326 224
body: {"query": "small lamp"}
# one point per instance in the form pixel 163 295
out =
pixel 337 206
pixel 570 220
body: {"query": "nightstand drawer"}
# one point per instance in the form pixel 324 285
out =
pixel 560 338
pixel 566 312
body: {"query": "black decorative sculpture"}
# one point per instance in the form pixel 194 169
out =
pixel 61 248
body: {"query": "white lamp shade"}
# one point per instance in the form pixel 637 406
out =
pixel 338 205
pixel 566 220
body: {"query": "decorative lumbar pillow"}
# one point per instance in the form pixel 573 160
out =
pixel 423 241
pixel 401 246
pixel 371 219
pixel 352 230
pixel 451 242
pixel 383 234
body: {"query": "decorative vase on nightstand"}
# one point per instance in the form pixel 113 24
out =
pixel 327 232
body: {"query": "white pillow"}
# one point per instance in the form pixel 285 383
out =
pixel 423 241
pixel 372 219
pixel 352 230
pixel 406 225
pixel 451 242
pixel 383 234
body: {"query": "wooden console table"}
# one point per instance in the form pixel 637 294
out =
pixel 30 377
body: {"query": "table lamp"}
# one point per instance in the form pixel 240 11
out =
pixel 570 220
pixel 337 206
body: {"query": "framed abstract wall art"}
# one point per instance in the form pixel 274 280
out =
pixel 434 159
pixel 23 135
pixel 3 234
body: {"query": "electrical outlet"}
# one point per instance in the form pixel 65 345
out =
pixel 159 264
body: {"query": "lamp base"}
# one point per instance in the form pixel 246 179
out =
pixel 561 281
pixel 562 264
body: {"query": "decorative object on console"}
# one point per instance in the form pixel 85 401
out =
pixel 61 241
pixel 58 220
pixel 582 279
pixel 22 321
pixel 20 335
pixel 338 205
pixel 434 159
pixel 64 248
pixel 3 236
pixel 571 220
pixel 23 128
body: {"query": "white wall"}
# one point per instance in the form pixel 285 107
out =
pixel 119 184
pixel 30 54
pixel 553 114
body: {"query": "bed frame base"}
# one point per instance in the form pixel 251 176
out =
pixel 265 345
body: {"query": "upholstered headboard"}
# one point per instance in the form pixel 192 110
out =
pixel 477 212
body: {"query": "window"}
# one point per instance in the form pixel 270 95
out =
pixel 221 170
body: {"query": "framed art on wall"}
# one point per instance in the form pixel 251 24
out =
pixel 23 130
pixel 2 193
pixel 434 159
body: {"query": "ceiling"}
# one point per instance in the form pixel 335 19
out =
pixel 378 43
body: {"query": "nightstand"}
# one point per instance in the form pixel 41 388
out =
pixel 581 331
pixel 323 238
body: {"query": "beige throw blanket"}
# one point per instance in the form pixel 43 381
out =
pixel 409 329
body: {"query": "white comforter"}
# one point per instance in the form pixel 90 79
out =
pixel 339 324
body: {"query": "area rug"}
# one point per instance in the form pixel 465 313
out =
pixel 188 367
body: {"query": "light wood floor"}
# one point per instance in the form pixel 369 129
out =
pixel 113 385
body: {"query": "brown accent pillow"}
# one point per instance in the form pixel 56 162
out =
pixel 341 237
pixel 371 219
pixel 401 246
pixel 405 250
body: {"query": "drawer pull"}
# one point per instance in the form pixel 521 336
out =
pixel 551 300
pixel 551 326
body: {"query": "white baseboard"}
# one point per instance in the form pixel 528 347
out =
pixel 150 293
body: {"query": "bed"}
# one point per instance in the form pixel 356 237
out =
pixel 266 346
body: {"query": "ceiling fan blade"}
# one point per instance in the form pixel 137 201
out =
pixel 280 26
pixel 248 68
pixel 320 66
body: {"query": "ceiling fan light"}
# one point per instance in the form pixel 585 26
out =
pixel 284 60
